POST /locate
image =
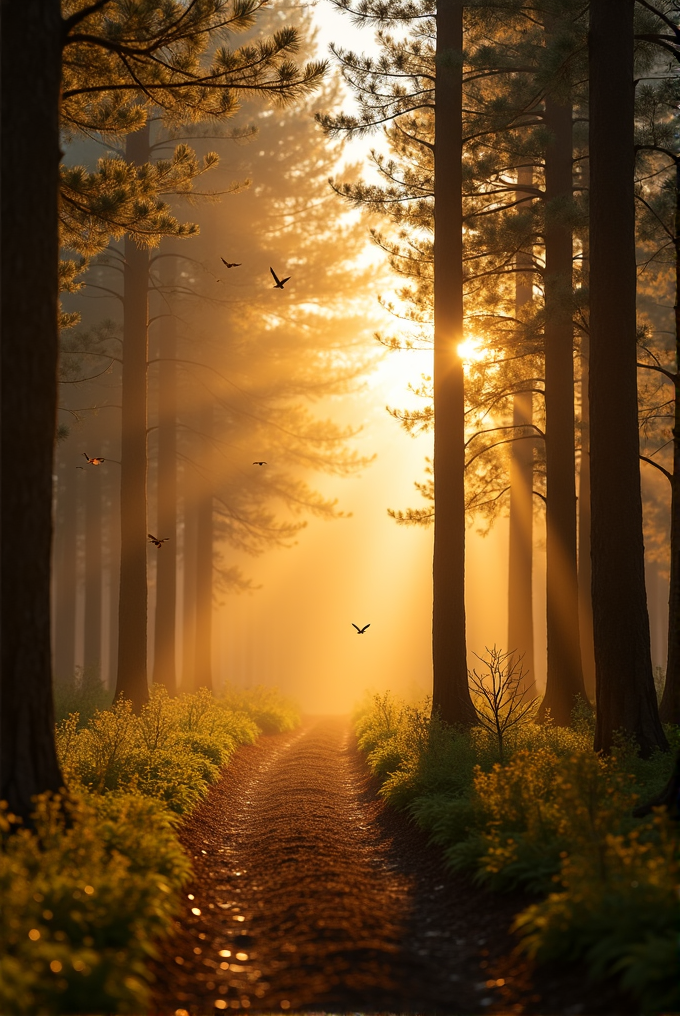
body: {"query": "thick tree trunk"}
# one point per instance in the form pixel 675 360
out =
pixel 521 522
pixel 669 709
pixel 451 696
pixel 626 698
pixel 93 569
pixel 132 680
pixel 65 578
pixel 204 553
pixel 164 668
pixel 585 603
pixel 31 78
pixel 565 677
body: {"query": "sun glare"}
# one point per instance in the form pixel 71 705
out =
pixel 471 350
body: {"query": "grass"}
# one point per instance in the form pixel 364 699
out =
pixel 89 891
pixel 554 819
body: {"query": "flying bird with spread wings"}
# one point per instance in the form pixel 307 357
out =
pixel 156 541
pixel 259 463
pixel 96 460
pixel 360 631
pixel 279 283
pixel 231 264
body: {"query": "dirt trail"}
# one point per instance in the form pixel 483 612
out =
pixel 308 894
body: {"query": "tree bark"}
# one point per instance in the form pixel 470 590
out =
pixel 585 608
pixel 132 679
pixel 451 696
pixel 564 677
pixel 669 709
pixel 520 535
pixel 65 577
pixel 93 569
pixel 626 699
pixel 164 669
pixel 31 81
pixel 204 553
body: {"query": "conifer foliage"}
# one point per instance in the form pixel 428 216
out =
pixel 525 158
pixel 94 67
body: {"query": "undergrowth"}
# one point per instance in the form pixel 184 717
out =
pixel 91 888
pixel 553 819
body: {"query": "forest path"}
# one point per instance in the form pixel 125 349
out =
pixel 326 900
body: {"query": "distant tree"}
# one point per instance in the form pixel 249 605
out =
pixel 521 482
pixel 164 666
pixel 204 549
pixel 257 361
pixel 564 682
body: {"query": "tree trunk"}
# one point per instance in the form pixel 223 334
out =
pixel 204 552
pixel 113 524
pixel 520 536
pixel 189 530
pixel 164 668
pixel 132 681
pixel 65 578
pixel 31 79
pixel 93 569
pixel 451 696
pixel 585 609
pixel 565 677
pixel 626 699
pixel 670 702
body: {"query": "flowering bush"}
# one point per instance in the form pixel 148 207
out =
pixel 94 884
pixel 173 750
pixel 552 812
pixel 85 894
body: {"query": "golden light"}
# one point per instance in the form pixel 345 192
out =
pixel 471 350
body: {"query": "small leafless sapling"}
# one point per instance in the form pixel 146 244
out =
pixel 499 697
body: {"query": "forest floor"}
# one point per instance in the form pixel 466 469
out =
pixel 324 900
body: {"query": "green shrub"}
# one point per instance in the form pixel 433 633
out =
pixel 267 707
pixel 619 909
pixel 89 890
pixel 552 811
pixel 85 896
pixel 172 750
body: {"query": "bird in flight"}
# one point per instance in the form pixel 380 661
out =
pixel 279 283
pixel 231 264
pixel 96 460
pixel 156 541
pixel 360 631
pixel 259 463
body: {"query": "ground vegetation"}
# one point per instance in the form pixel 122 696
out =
pixel 553 818
pixel 91 889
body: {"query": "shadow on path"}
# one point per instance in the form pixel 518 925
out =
pixel 308 895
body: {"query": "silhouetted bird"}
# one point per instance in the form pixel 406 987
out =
pixel 231 264
pixel 279 283
pixel 360 631
pixel 156 541
pixel 259 463
pixel 96 460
